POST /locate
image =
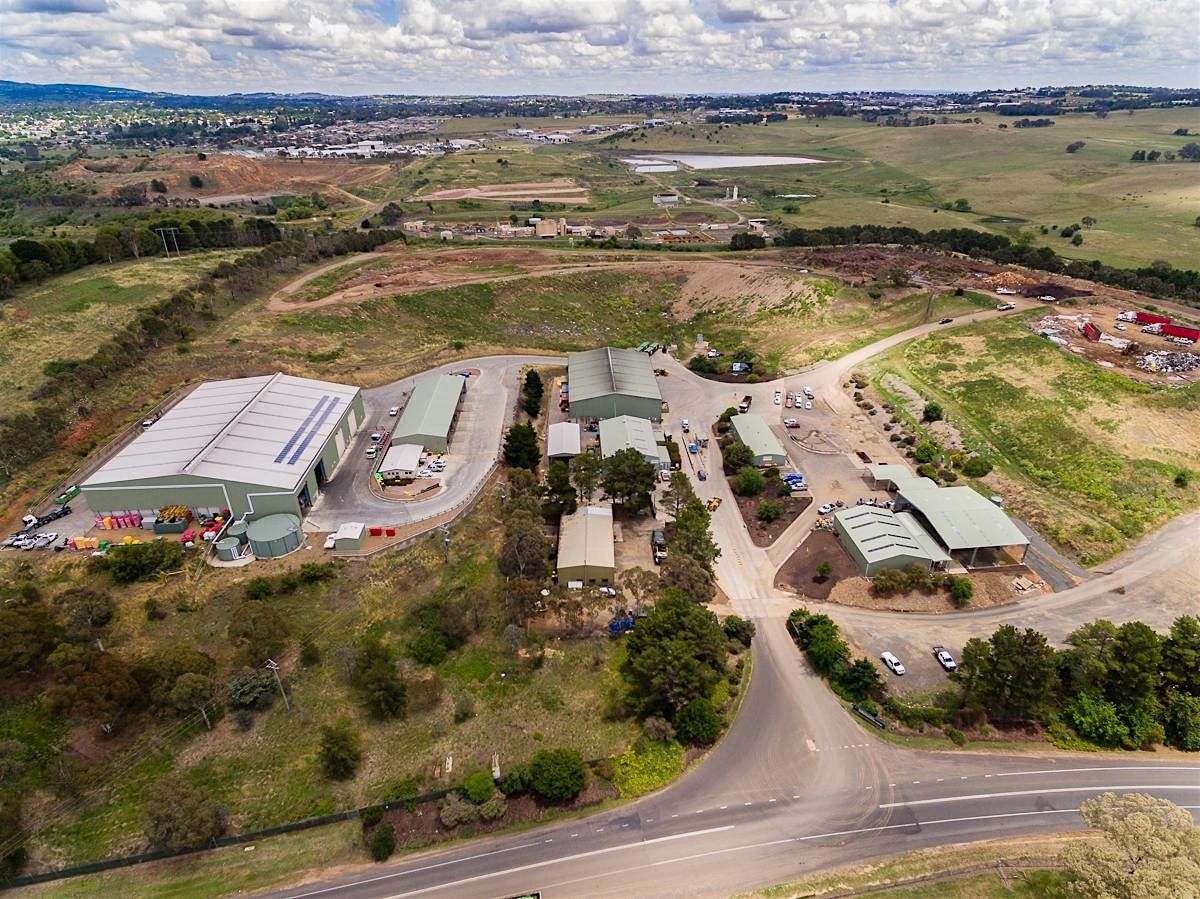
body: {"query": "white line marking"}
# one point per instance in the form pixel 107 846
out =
pixel 747 803
pixel 1194 768
pixel 772 800
pixel 674 816
pixel 1110 789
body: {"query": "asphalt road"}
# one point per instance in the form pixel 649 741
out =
pixel 797 784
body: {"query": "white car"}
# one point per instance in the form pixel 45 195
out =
pixel 808 404
pixel 826 509
pixel 778 398
pixel 371 451
pixel 791 423
pixel 893 663
pixel 686 425
pixel 1004 307
pixel 394 411
pixel 376 437
pixel 946 660
pixel 329 541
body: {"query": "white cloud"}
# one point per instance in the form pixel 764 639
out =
pixel 507 46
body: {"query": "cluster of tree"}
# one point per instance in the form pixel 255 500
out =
pixel 744 240
pixel 532 391
pixel 294 208
pixel 1029 123
pixel 1189 152
pixel 918 121
pixel 818 637
pixel 137 561
pixel 894 581
pixel 66 394
pixel 1158 279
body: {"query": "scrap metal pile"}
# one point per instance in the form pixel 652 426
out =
pixel 1168 361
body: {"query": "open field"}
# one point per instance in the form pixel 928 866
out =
pixel 269 773
pixel 1088 456
pixel 67 317
pixel 559 191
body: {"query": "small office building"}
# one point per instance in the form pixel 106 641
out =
pixel 753 431
pixel 877 538
pixel 585 547
pixel 429 416
pixel 401 461
pixel 607 382
pixel 626 432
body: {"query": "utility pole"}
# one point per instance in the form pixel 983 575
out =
pixel 174 232
pixel 273 667
pixel 445 529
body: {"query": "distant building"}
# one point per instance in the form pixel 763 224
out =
pixel 626 432
pixel 585 547
pixel 753 431
pixel 607 382
pixel 665 199
pixel 432 410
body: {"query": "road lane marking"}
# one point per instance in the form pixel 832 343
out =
pixel 1141 788
pixel 1193 768
pixel 529 867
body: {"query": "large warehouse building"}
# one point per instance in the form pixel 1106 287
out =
pixel 878 538
pixel 585 547
pixel 608 382
pixel 256 446
pixel 626 432
pixel 429 417
pixel 753 431
pixel 964 522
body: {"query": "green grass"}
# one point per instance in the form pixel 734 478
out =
pixel 1094 452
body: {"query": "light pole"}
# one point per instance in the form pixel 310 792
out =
pixel 445 529
pixel 273 667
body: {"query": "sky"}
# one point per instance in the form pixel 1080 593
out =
pixel 586 46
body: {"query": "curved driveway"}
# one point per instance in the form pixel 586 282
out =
pixel 797 784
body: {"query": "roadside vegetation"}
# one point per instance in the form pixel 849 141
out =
pixel 1124 687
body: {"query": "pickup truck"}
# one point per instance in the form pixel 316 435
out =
pixel 658 546
pixel 744 405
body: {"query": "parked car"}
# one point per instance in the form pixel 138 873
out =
pixel 945 321
pixel 394 411
pixel 791 423
pixel 789 401
pixel 702 474
pixel 893 663
pixel 686 425
pixel 944 658
pixel 808 404
pixel 808 392
pixel 778 398
pixel 371 451
pixel 1004 307
pixel 376 436
pixel 825 509
pixel 44 540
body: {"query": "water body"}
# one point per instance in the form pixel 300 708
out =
pixel 703 161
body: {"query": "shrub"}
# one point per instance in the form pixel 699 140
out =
pixel 1182 479
pixel 961 590
pixel 310 653
pixel 341 751
pixel 371 815
pixel 383 843
pixel 658 730
pixel 464 709
pixel 154 610
pixel 824 569
pixel 949 475
pixel 515 781
pixel 928 471
pixel 251 689
pixel 1096 720
pixel 647 768
pixel 769 512
pixel 311 572
pixel 698 722
pixel 956 736
pixel 127 564
pixel 455 811
pixel 926 451
pixel 738 629
pixel 258 588
pixel 976 467
pixel 748 482
pixel 428 648
pixel 557 774
pixel 494 807
pixel 783 489
pixel 478 786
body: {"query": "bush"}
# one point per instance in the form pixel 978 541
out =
pixel 515 781
pixel 371 815
pixel 428 648
pixel 976 467
pixel 455 811
pixel 258 588
pixel 961 590
pixel 340 752
pixel 956 736
pixel 647 768
pixel 658 730
pixel 736 456
pixel 251 689
pixel 310 653
pixel 926 451
pixel 738 629
pixel 747 482
pixel 1096 720
pixel 478 786
pixel 383 843
pixel 698 722
pixel 464 709
pixel 927 471
pixel 769 512
pixel 783 489
pixel 494 807
pixel 127 564
pixel 557 774
pixel 311 572
pixel 1182 479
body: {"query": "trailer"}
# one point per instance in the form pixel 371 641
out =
pixel 1169 330
pixel 1151 318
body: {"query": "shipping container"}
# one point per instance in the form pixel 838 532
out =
pixel 1180 331
pixel 1152 318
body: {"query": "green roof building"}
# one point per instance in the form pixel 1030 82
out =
pixel 585 547
pixel 608 382
pixel 878 538
pixel 753 431
pixel 626 432
pixel 963 521
pixel 432 410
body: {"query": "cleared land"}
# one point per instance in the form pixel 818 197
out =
pixel 561 191
pixel 1087 455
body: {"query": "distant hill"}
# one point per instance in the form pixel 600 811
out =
pixel 14 92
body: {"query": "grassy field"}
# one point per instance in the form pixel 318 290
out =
pixel 67 317
pixel 269 774
pixel 1088 456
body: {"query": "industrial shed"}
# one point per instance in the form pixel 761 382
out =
pixel 608 382
pixel 753 431
pixel 401 461
pixel 429 417
pixel 565 441
pixel 878 538
pixel 626 432
pixel 885 476
pixel 256 446
pixel 964 522
pixel 585 547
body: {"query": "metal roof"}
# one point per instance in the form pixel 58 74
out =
pixel 431 407
pixel 564 439
pixel 402 457
pixel 605 371
pixel 961 517
pixel 585 538
pixel 272 527
pixel 753 431
pixel 881 533
pixel 266 430
pixel 627 432
pixel 889 471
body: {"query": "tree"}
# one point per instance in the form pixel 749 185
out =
pixel 97 686
pixel 691 535
pixel 932 412
pixel 177 815
pixel 251 688
pixel 377 682
pixel 1075 146
pixel 629 479
pixel 559 489
pixel 738 629
pixel 157 186
pixel 679 491
pixel 1150 847
pixel 1135 664
pixel 745 241
pixel 1181 655
pixel 531 394
pixel 521 447
pixel 1088 221
pixel 698 723
pixel 675 654
pixel 962 205
pixel 1182 719
pixel 127 564
pixel 748 481
pixel 961 590
pixel 977 467
pixel 769 512
pixel 736 456
pixel 340 751
pixel 688 575
pixel 1011 676
pixel 1084 667
pixel 524 550
pixel 383 842
pixel 27 635
pixel 824 569
pixel 195 182
pixel 861 680
pixel 1096 719
pixel 259 632
pixel 1077 239
pixel 585 474
pixel 12 836
pixel 1190 151
pixel 926 451
pixel 193 692
pixel 557 774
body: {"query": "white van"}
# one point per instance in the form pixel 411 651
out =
pixel 371 451
pixel 896 666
